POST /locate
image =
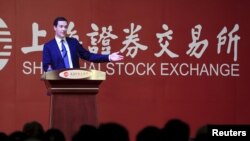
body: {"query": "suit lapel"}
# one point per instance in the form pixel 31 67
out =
pixel 56 49
pixel 70 47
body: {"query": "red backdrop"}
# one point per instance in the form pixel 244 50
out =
pixel 150 86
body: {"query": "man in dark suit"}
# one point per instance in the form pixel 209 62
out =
pixel 64 52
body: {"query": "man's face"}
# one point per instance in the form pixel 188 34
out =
pixel 61 29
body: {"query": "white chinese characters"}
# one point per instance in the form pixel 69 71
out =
pixel 131 42
pixel 164 46
pixel 233 39
pixel 101 39
pixel 197 47
pixel 36 33
pixel 104 38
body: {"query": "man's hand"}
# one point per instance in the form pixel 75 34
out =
pixel 115 56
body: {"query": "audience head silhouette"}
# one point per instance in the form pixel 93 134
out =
pixel 176 130
pixel 3 136
pixel 33 130
pixel 18 136
pixel 202 134
pixel 86 133
pixel 112 132
pixel 53 135
pixel 149 133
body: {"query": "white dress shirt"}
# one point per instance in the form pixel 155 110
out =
pixel 59 43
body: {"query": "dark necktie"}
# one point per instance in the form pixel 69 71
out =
pixel 65 56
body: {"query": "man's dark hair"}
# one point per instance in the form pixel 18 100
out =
pixel 59 19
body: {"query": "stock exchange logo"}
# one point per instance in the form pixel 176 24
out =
pixel 5 44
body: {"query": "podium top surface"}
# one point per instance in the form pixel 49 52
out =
pixel 74 74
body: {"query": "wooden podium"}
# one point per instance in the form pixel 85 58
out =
pixel 73 98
